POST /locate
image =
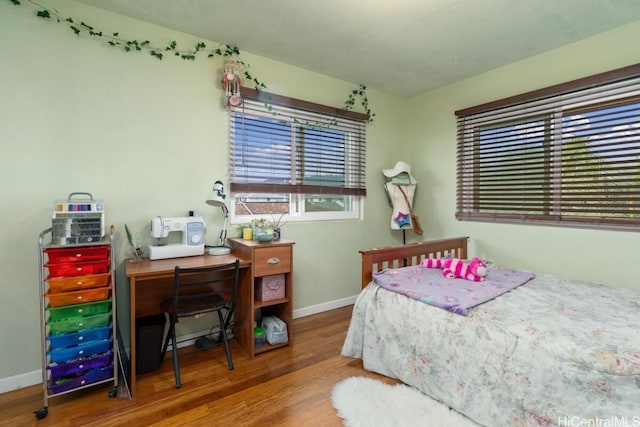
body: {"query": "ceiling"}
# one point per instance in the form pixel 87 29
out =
pixel 402 47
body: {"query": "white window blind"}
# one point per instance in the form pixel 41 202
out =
pixel 568 155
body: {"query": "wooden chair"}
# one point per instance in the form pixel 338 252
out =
pixel 197 291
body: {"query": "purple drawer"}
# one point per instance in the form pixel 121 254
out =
pixel 74 367
pixel 89 377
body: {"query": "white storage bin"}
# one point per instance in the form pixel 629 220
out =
pixel 275 330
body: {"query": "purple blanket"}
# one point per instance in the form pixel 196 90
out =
pixel 455 295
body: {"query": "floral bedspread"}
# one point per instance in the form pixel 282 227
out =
pixel 551 352
pixel 455 295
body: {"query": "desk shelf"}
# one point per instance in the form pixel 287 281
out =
pixel 260 304
pixel 269 347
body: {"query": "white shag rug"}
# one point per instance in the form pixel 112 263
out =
pixel 366 402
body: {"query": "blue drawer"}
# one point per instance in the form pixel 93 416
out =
pixel 82 350
pixel 86 335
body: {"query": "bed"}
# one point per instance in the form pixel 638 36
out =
pixel 549 352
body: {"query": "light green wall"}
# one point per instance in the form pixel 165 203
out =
pixel 606 257
pixel 149 137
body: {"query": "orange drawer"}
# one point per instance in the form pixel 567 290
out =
pixel 69 298
pixel 273 260
pixel 66 284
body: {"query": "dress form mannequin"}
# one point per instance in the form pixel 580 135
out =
pixel 400 215
pixel 400 178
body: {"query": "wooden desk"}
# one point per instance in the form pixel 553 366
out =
pixel 151 282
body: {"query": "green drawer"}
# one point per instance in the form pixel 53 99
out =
pixel 78 323
pixel 78 310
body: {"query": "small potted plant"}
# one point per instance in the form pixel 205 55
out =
pixel 244 226
pixel 276 225
pixel 261 230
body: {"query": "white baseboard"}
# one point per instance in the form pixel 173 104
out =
pixel 35 377
pixel 20 381
pixel 326 306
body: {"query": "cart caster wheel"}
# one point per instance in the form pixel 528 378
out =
pixel 41 413
pixel 113 393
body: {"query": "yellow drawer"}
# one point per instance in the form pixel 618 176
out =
pixel 272 260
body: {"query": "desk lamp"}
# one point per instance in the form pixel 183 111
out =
pixel 217 198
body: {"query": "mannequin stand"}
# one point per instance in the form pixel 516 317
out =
pixel 404 242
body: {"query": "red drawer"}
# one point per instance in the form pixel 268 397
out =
pixel 77 254
pixel 78 268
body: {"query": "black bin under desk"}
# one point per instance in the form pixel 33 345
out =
pixel 149 339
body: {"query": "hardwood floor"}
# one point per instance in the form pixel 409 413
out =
pixel 287 387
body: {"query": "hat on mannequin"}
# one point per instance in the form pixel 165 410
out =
pixel 400 167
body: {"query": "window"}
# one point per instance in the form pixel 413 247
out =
pixel 564 155
pixel 295 157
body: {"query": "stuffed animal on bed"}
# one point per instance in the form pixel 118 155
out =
pixel 452 268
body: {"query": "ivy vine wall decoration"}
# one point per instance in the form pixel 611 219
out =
pixel 132 45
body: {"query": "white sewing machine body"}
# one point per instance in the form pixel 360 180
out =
pixel 191 242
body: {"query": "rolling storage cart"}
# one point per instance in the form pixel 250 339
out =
pixel 77 309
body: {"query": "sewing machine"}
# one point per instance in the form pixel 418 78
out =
pixel 191 230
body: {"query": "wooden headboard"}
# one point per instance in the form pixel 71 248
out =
pixel 377 259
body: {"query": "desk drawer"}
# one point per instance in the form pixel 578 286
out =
pixel 272 260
